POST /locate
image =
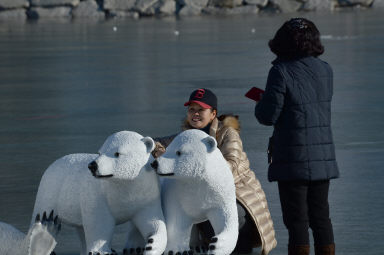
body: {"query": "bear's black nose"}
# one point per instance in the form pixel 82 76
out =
pixel 155 164
pixel 93 167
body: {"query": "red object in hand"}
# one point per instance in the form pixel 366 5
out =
pixel 255 94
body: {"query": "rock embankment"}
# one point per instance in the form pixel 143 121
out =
pixel 101 9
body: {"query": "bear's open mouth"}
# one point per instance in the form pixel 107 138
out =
pixel 169 174
pixel 103 176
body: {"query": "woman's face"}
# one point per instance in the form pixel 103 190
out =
pixel 199 117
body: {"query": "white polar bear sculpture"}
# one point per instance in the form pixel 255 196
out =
pixel 95 192
pixel 40 239
pixel 199 186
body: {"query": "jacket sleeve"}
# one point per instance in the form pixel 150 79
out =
pixel 232 148
pixel 267 111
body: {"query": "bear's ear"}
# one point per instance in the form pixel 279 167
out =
pixel 149 143
pixel 210 142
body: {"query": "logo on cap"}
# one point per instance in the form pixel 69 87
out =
pixel 200 93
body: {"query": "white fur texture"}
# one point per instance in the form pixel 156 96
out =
pixel 123 188
pixel 40 239
pixel 198 186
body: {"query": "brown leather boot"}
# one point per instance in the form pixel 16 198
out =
pixel 298 249
pixel 325 249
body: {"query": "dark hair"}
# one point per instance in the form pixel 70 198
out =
pixel 297 38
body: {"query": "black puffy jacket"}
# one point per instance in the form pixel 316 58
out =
pixel 297 102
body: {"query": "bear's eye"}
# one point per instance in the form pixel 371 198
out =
pixel 178 153
pixel 117 154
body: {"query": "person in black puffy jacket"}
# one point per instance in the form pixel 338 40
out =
pixel 301 153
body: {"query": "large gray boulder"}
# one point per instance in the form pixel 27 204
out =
pixel 191 7
pixel 197 3
pixel 121 5
pixel 146 7
pixel 167 7
pixel 51 3
pixel 190 10
pixel 261 3
pixel 15 14
pixel 319 5
pixel 225 3
pixel 88 9
pixel 10 4
pixel 287 6
pixel 50 13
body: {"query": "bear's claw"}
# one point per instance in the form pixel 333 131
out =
pixel 103 253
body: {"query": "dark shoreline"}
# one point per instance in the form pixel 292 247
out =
pixel 14 10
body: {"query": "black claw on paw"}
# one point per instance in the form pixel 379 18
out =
pixel 214 239
pixel 44 216
pixel 50 216
pixel 90 253
pixel 178 253
pixel 190 252
pixel 132 250
pixel 150 240
pixel 37 219
pixel 125 251
pixel 185 253
pixel 170 253
pixel 197 249
pixel 148 248
pixel 138 250
pixel 212 247
pixel 53 253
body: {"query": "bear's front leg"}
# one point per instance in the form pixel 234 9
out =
pixel 98 227
pixel 225 225
pixel 151 224
pixel 179 226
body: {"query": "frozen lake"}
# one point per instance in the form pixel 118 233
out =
pixel 66 86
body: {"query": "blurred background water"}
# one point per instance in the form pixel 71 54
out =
pixel 65 86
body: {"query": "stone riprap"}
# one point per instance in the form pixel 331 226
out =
pixel 100 9
pixel 14 4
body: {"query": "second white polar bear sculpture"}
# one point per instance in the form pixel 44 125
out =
pixel 199 186
pixel 123 188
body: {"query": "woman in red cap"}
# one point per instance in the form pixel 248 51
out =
pixel 255 223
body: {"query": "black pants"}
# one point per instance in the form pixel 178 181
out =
pixel 305 204
pixel 248 234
